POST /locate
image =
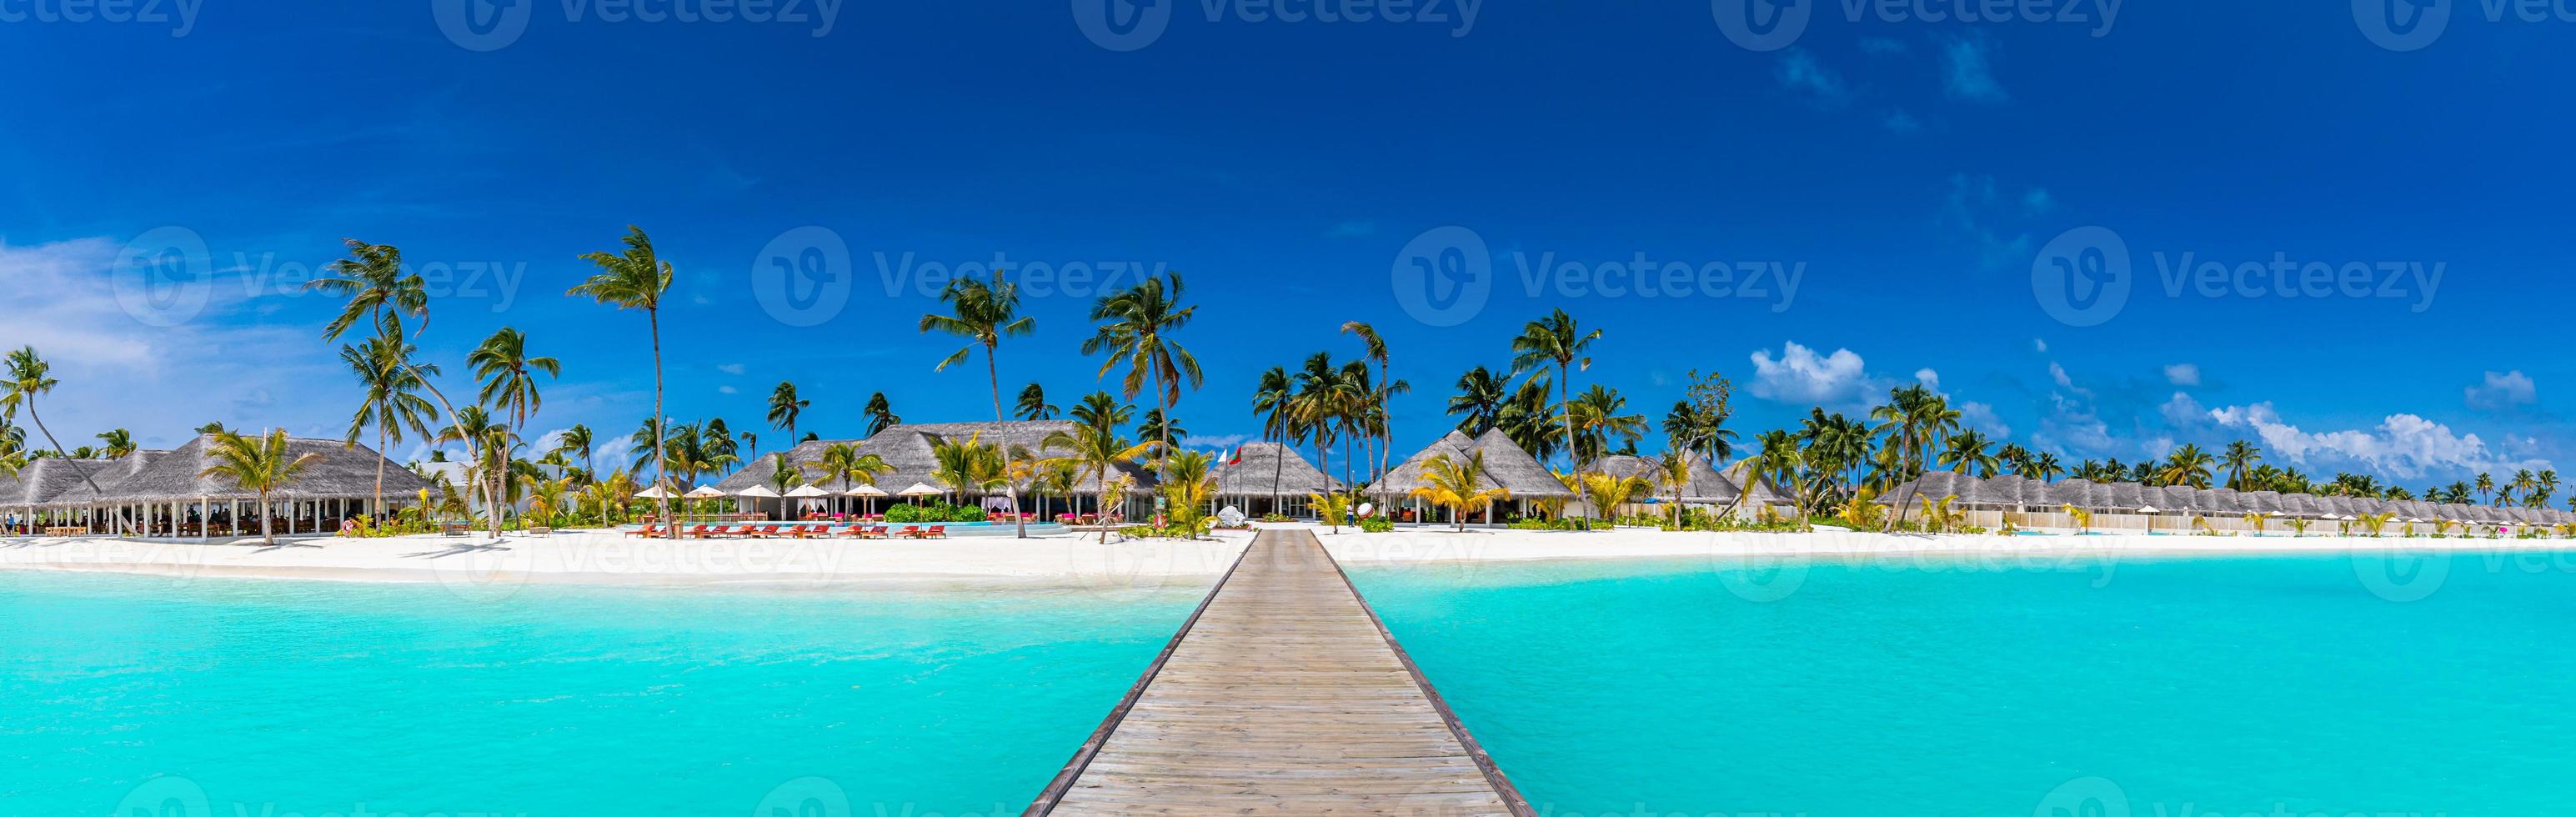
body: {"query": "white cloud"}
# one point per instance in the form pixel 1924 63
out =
pixel 727 390
pixel 2058 373
pixel 2039 344
pixel 1800 376
pixel 1983 418
pixel 1967 71
pixel 2404 446
pixel 1226 442
pixel 730 368
pixel 2182 411
pixel 1929 378
pixel 2502 391
pixel 1800 72
pixel 2183 374
pixel 226 365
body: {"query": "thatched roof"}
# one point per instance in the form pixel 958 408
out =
pixel 339 470
pixel 1263 469
pixel 911 449
pixel 1407 475
pixel 1756 486
pixel 41 481
pixel 1506 466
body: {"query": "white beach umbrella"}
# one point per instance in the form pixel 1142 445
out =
pixel 867 492
pixel 807 492
pixel 757 492
pixel 655 492
pixel 705 492
pixel 917 491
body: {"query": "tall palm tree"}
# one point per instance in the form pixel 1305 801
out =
pixel 475 427
pixel 880 414
pixel 2486 485
pixel 636 278
pixel 509 377
pixel 983 313
pixel 1273 400
pixel 1913 420
pixel 1374 351
pixel 2239 457
pixel 1529 418
pixel 1598 417
pixel 393 404
pixel 259 465
pixel 1557 340
pixel 1966 453
pixel 785 407
pixel 1033 405
pixel 1135 329
pixel 1481 397
pixel 1323 406
pixel 31 377
pixel 382 294
pixel 1155 426
pixel 842 463
pixel 2523 484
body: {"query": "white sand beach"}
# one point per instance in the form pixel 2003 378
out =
pixel 1085 562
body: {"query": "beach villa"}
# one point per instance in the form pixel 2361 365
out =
pixel 2174 509
pixel 911 451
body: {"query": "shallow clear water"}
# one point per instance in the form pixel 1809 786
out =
pixel 119 692
pixel 2229 686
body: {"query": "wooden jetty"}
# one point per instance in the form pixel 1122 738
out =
pixel 1282 694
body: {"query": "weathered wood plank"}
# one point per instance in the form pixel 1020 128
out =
pixel 1282 694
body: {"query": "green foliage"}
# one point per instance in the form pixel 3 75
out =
pixel 1376 524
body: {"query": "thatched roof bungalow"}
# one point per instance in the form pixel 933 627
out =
pixel 165 493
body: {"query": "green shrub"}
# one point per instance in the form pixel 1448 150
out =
pixel 1376 524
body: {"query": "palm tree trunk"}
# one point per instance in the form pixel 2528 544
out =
pixel 993 375
pixel 266 537
pixel 661 435
pixel 1565 391
pixel 76 466
pixel 379 507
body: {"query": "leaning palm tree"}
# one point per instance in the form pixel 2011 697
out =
pixel 1458 486
pixel 383 294
pixel 635 279
pixel 785 407
pixel 475 427
pixel 1135 329
pixel 31 377
pixel 983 313
pixel 1374 351
pixel 509 377
pixel 393 405
pixel 260 465
pixel 1557 340
pixel 576 441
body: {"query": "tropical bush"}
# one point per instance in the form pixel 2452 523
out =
pixel 1376 524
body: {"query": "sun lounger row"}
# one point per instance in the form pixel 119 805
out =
pixel 656 531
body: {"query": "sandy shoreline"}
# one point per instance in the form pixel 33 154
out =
pixel 475 566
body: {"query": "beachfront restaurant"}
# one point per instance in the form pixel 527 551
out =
pixel 166 494
pixel 1267 478
pixel 911 451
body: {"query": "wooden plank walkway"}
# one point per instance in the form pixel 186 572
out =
pixel 1282 694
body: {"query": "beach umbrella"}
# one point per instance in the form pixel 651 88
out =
pixel 655 492
pixel 868 492
pixel 705 492
pixel 807 492
pixel 918 490
pixel 757 493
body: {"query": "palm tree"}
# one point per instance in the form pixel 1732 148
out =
pixel 983 313
pixel 2240 456
pixel 2523 484
pixel 1597 418
pixel 1094 446
pixel 508 374
pixel 1966 453
pixel 1458 486
pixel 880 414
pixel 116 443
pixel 1189 483
pixel 1274 401
pixel 393 404
pixel 1155 426
pixel 1135 329
pixel 1033 404
pixel 31 377
pixel 1481 397
pixel 2486 485
pixel 1556 339
pixel 635 278
pixel 842 463
pixel 1374 351
pixel 258 465
pixel 382 294
pixel 1530 419
pixel 2187 465
pixel 1913 420
pixel 474 426
pixel 783 477
pixel 785 407
pixel 1322 407
pixel 577 441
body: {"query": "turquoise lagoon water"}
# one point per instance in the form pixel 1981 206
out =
pixel 2315 685
pixel 234 696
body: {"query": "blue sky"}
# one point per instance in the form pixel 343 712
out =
pixel 1906 174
